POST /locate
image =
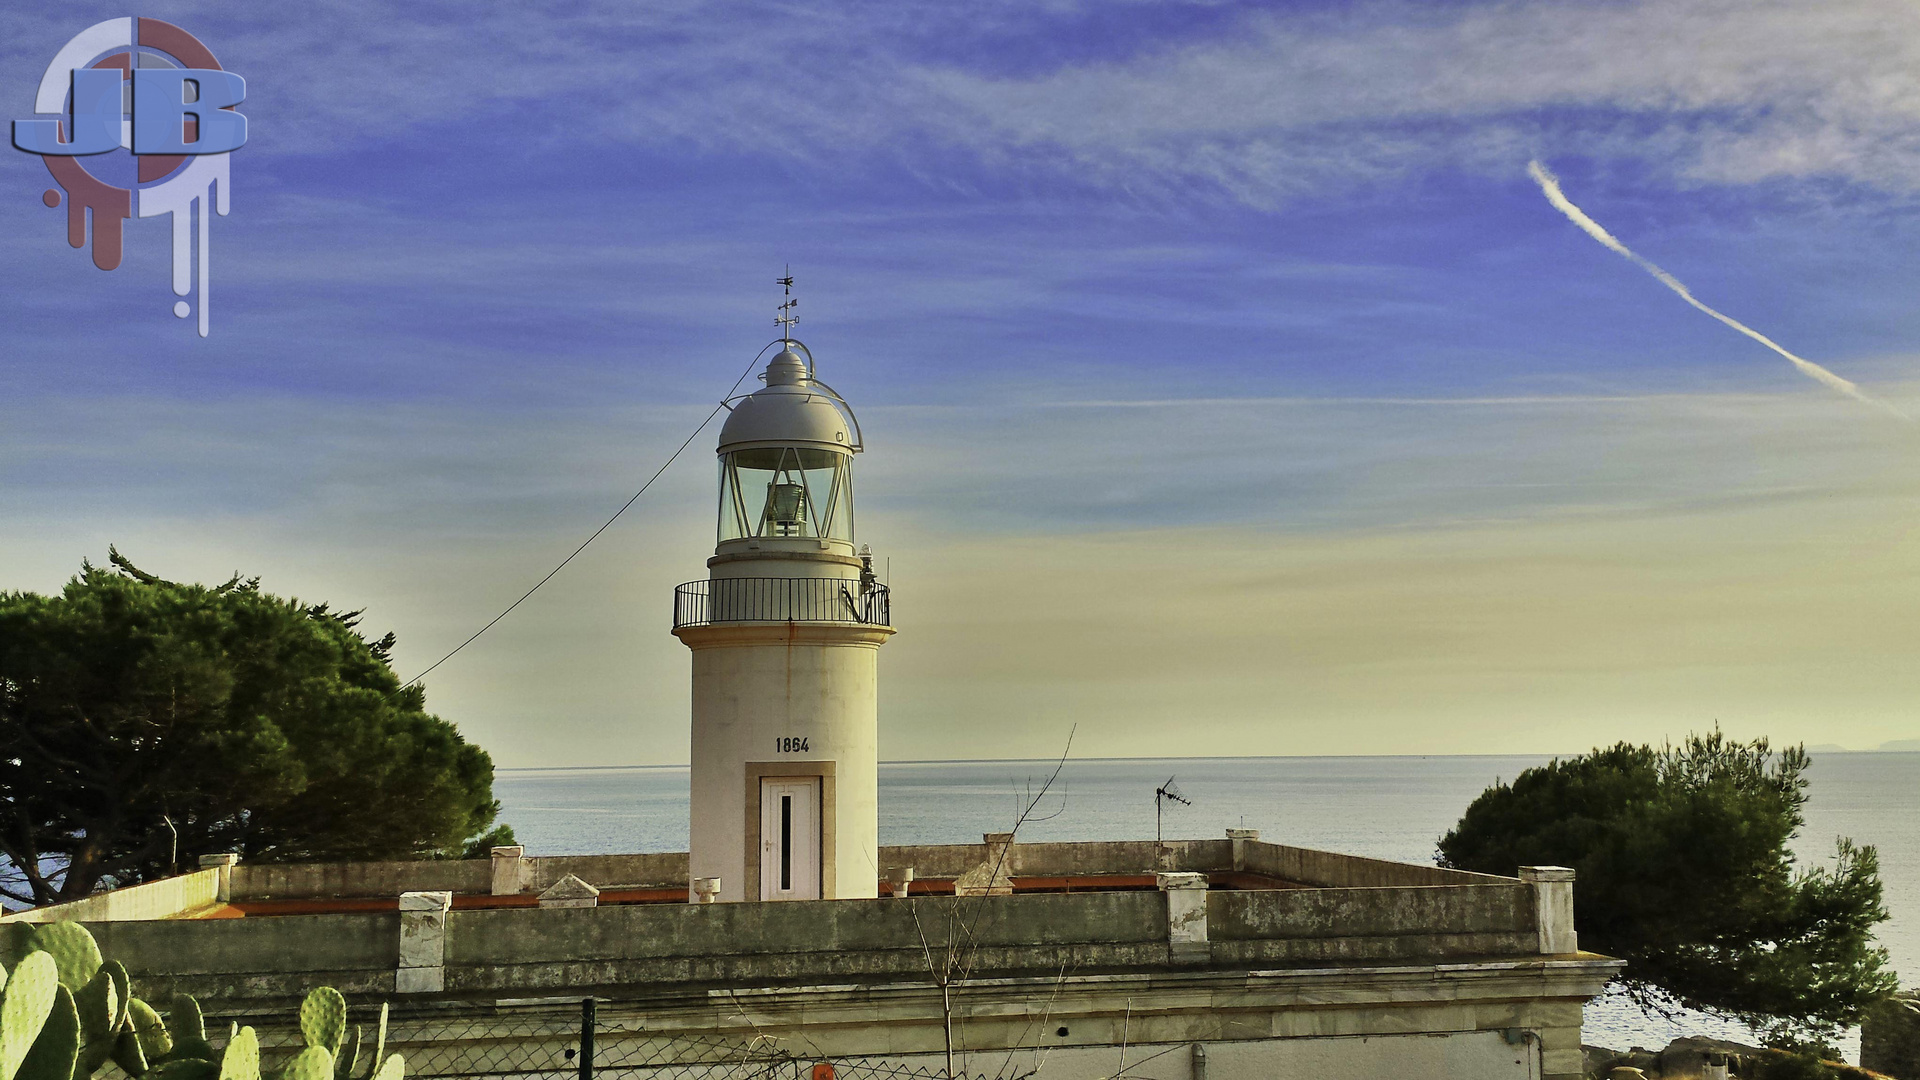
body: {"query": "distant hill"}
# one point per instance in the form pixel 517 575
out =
pixel 1901 744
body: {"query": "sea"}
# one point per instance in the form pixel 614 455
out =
pixel 1383 807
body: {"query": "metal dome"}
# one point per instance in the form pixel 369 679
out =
pixel 793 409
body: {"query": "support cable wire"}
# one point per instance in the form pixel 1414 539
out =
pixel 604 527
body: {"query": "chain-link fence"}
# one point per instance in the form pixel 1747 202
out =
pixel 579 1041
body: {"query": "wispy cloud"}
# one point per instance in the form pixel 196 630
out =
pixel 1550 186
pixel 1264 104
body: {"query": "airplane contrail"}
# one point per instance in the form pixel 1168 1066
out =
pixel 1550 186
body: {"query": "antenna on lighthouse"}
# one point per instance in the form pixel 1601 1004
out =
pixel 1162 795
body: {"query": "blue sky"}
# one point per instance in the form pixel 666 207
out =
pixel 1153 311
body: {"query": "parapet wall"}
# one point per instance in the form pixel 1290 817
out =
pixel 163 899
pixel 530 952
pixel 669 869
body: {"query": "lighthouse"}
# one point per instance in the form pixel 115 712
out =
pixel 785 633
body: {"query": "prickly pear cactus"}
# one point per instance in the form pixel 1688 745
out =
pixel 57 1050
pixel 98 1004
pixel 148 1030
pixel 127 1053
pixel 189 1032
pixel 313 1063
pixel 31 991
pixel 242 1059
pixel 122 990
pixel 64 1013
pixel 346 1063
pixel 72 949
pixel 184 1069
pixel 379 1047
pixel 323 1019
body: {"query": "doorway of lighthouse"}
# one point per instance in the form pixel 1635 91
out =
pixel 790 838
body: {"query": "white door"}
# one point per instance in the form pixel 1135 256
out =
pixel 790 838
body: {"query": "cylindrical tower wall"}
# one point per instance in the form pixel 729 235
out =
pixel 784 700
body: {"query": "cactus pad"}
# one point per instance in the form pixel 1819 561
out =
pixel 122 991
pixel 57 1049
pixel 347 1061
pixel 98 1006
pixel 184 1069
pixel 323 1019
pixel 127 1053
pixel 313 1063
pixel 184 1022
pixel 147 1027
pixel 394 1069
pixel 72 949
pixel 379 1046
pixel 242 1059
pixel 31 994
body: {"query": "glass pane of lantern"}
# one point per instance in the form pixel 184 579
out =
pixel 785 492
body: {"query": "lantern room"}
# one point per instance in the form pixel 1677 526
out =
pixel 786 456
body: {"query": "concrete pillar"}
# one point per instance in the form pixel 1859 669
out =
pixel 570 892
pixel 706 890
pixel 1241 838
pixel 512 871
pixel 423 942
pixel 223 862
pixel 899 878
pixel 994 875
pixel 1553 907
pixel 1186 914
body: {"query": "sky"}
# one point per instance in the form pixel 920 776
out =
pixel 1229 386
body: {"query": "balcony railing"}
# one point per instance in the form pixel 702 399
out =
pixel 731 600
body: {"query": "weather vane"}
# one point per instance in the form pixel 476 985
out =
pixel 787 316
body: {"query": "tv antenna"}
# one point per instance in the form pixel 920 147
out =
pixel 1162 795
pixel 788 316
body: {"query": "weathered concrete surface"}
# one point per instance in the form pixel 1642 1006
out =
pixel 1329 869
pixel 305 881
pixel 1532 1006
pixel 529 951
pixel 275 958
pixel 423 942
pixel 1502 908
pixel 532 874
pixel 164 899
pixel 1553 907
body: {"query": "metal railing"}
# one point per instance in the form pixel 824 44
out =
pixel 730 600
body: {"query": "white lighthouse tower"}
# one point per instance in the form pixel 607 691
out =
pixel 785 634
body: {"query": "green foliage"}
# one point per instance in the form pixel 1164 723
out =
pixel 47 1033
pixel 1796 1065
pixel 144 723
pixel 482 846
pixel 1684 872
